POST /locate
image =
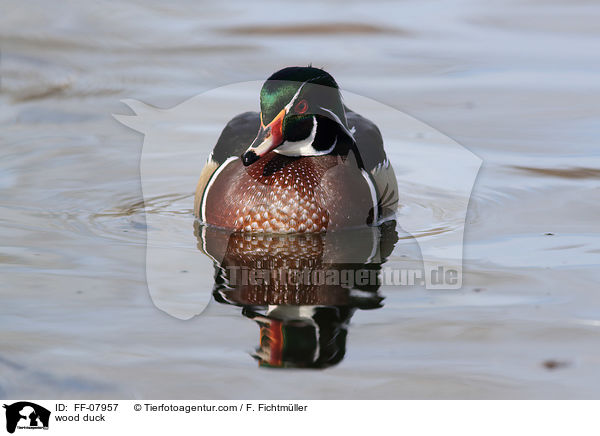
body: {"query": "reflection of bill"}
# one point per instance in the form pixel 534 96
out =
pixel 303 323
pixel 302 336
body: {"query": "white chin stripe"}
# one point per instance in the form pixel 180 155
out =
pixel 303 147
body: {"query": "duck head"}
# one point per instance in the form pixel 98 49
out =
pixel 301 114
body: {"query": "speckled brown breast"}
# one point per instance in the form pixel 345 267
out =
pixel 281 194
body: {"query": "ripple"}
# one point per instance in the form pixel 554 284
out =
pixel 160 204
pixel 564 173
pixel 315 29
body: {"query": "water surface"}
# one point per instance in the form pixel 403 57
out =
pixel 514 82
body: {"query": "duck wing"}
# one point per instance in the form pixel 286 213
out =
pixel 235 138
pixel 237 135
pixel 370 146
pixel 368 140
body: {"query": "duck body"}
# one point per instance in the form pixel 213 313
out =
pixel 305 171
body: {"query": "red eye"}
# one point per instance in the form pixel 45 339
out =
pixel 301 106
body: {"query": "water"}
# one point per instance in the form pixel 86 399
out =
pixel 515 83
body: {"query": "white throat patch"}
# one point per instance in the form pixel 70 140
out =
pixel 304 147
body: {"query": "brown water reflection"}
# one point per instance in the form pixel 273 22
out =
pixel 566 173
pixel 301 289
pixel 315 29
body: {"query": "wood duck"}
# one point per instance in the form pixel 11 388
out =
pixel 314 165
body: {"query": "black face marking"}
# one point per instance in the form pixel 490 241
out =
pixel 297 127
pixel 327 132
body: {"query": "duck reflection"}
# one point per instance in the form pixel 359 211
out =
pixel 301 289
